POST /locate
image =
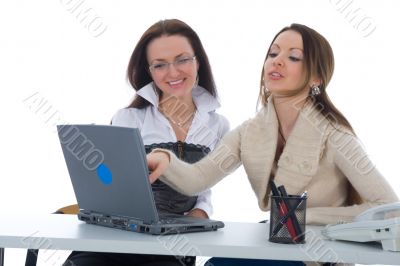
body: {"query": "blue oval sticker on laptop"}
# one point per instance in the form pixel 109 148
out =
pixel 104 174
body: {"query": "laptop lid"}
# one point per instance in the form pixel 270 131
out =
pixel 107 165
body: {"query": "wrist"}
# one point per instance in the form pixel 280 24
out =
pixel 199 213
pixel 162 153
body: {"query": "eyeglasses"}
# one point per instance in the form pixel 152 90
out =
pixel 180 63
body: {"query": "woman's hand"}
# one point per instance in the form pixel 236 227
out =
pixel 199 213
pixel 158 163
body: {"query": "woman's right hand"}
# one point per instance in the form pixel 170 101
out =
pixel 158 163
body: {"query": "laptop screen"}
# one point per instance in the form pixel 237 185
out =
pixel 108 169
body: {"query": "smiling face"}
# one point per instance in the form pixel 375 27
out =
pixel 173 67
pixel 284 70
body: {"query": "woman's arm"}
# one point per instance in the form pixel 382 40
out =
pixel 203 207
pixel 191 179
pixel 352 160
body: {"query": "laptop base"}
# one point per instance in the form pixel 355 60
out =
pixel 166 226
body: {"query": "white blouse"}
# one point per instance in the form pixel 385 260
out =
pixel 207 127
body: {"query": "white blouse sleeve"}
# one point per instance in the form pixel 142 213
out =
pixel 128 117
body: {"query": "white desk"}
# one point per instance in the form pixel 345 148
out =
pixel 244 240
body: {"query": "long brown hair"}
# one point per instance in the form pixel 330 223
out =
pixel 318 61
pixel 138 68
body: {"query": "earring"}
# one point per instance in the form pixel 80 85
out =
pixel 315 90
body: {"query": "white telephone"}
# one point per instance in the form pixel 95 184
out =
pixel 370 225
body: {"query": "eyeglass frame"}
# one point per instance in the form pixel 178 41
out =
pixel 167 64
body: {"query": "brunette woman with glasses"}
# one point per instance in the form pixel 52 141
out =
pixel 174 109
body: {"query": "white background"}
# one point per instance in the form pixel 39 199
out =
pixel 51 53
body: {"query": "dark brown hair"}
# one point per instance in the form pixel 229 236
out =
pixel 138 68
pixel 318 61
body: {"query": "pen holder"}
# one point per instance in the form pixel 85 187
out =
pixel 287 219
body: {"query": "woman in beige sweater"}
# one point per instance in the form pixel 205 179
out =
pixel 299 139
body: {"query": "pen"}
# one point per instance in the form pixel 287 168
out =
pixel 284 219
pixel 293 218
pixel 274 190
pixel 282 210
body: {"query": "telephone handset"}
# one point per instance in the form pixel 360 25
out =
pixel 370 225
pixel 378 212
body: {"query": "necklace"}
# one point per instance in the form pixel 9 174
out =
pixel 180 123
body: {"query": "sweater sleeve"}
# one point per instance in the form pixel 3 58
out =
pixel 204 198
pixel 191 179
pixel 351 159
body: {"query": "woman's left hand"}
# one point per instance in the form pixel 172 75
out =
pixel 199 213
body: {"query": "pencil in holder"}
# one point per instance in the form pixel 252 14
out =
pixel 288 219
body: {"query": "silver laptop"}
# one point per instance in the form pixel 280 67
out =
pixel 109 174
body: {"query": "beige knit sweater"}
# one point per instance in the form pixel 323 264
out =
pixel 319 157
